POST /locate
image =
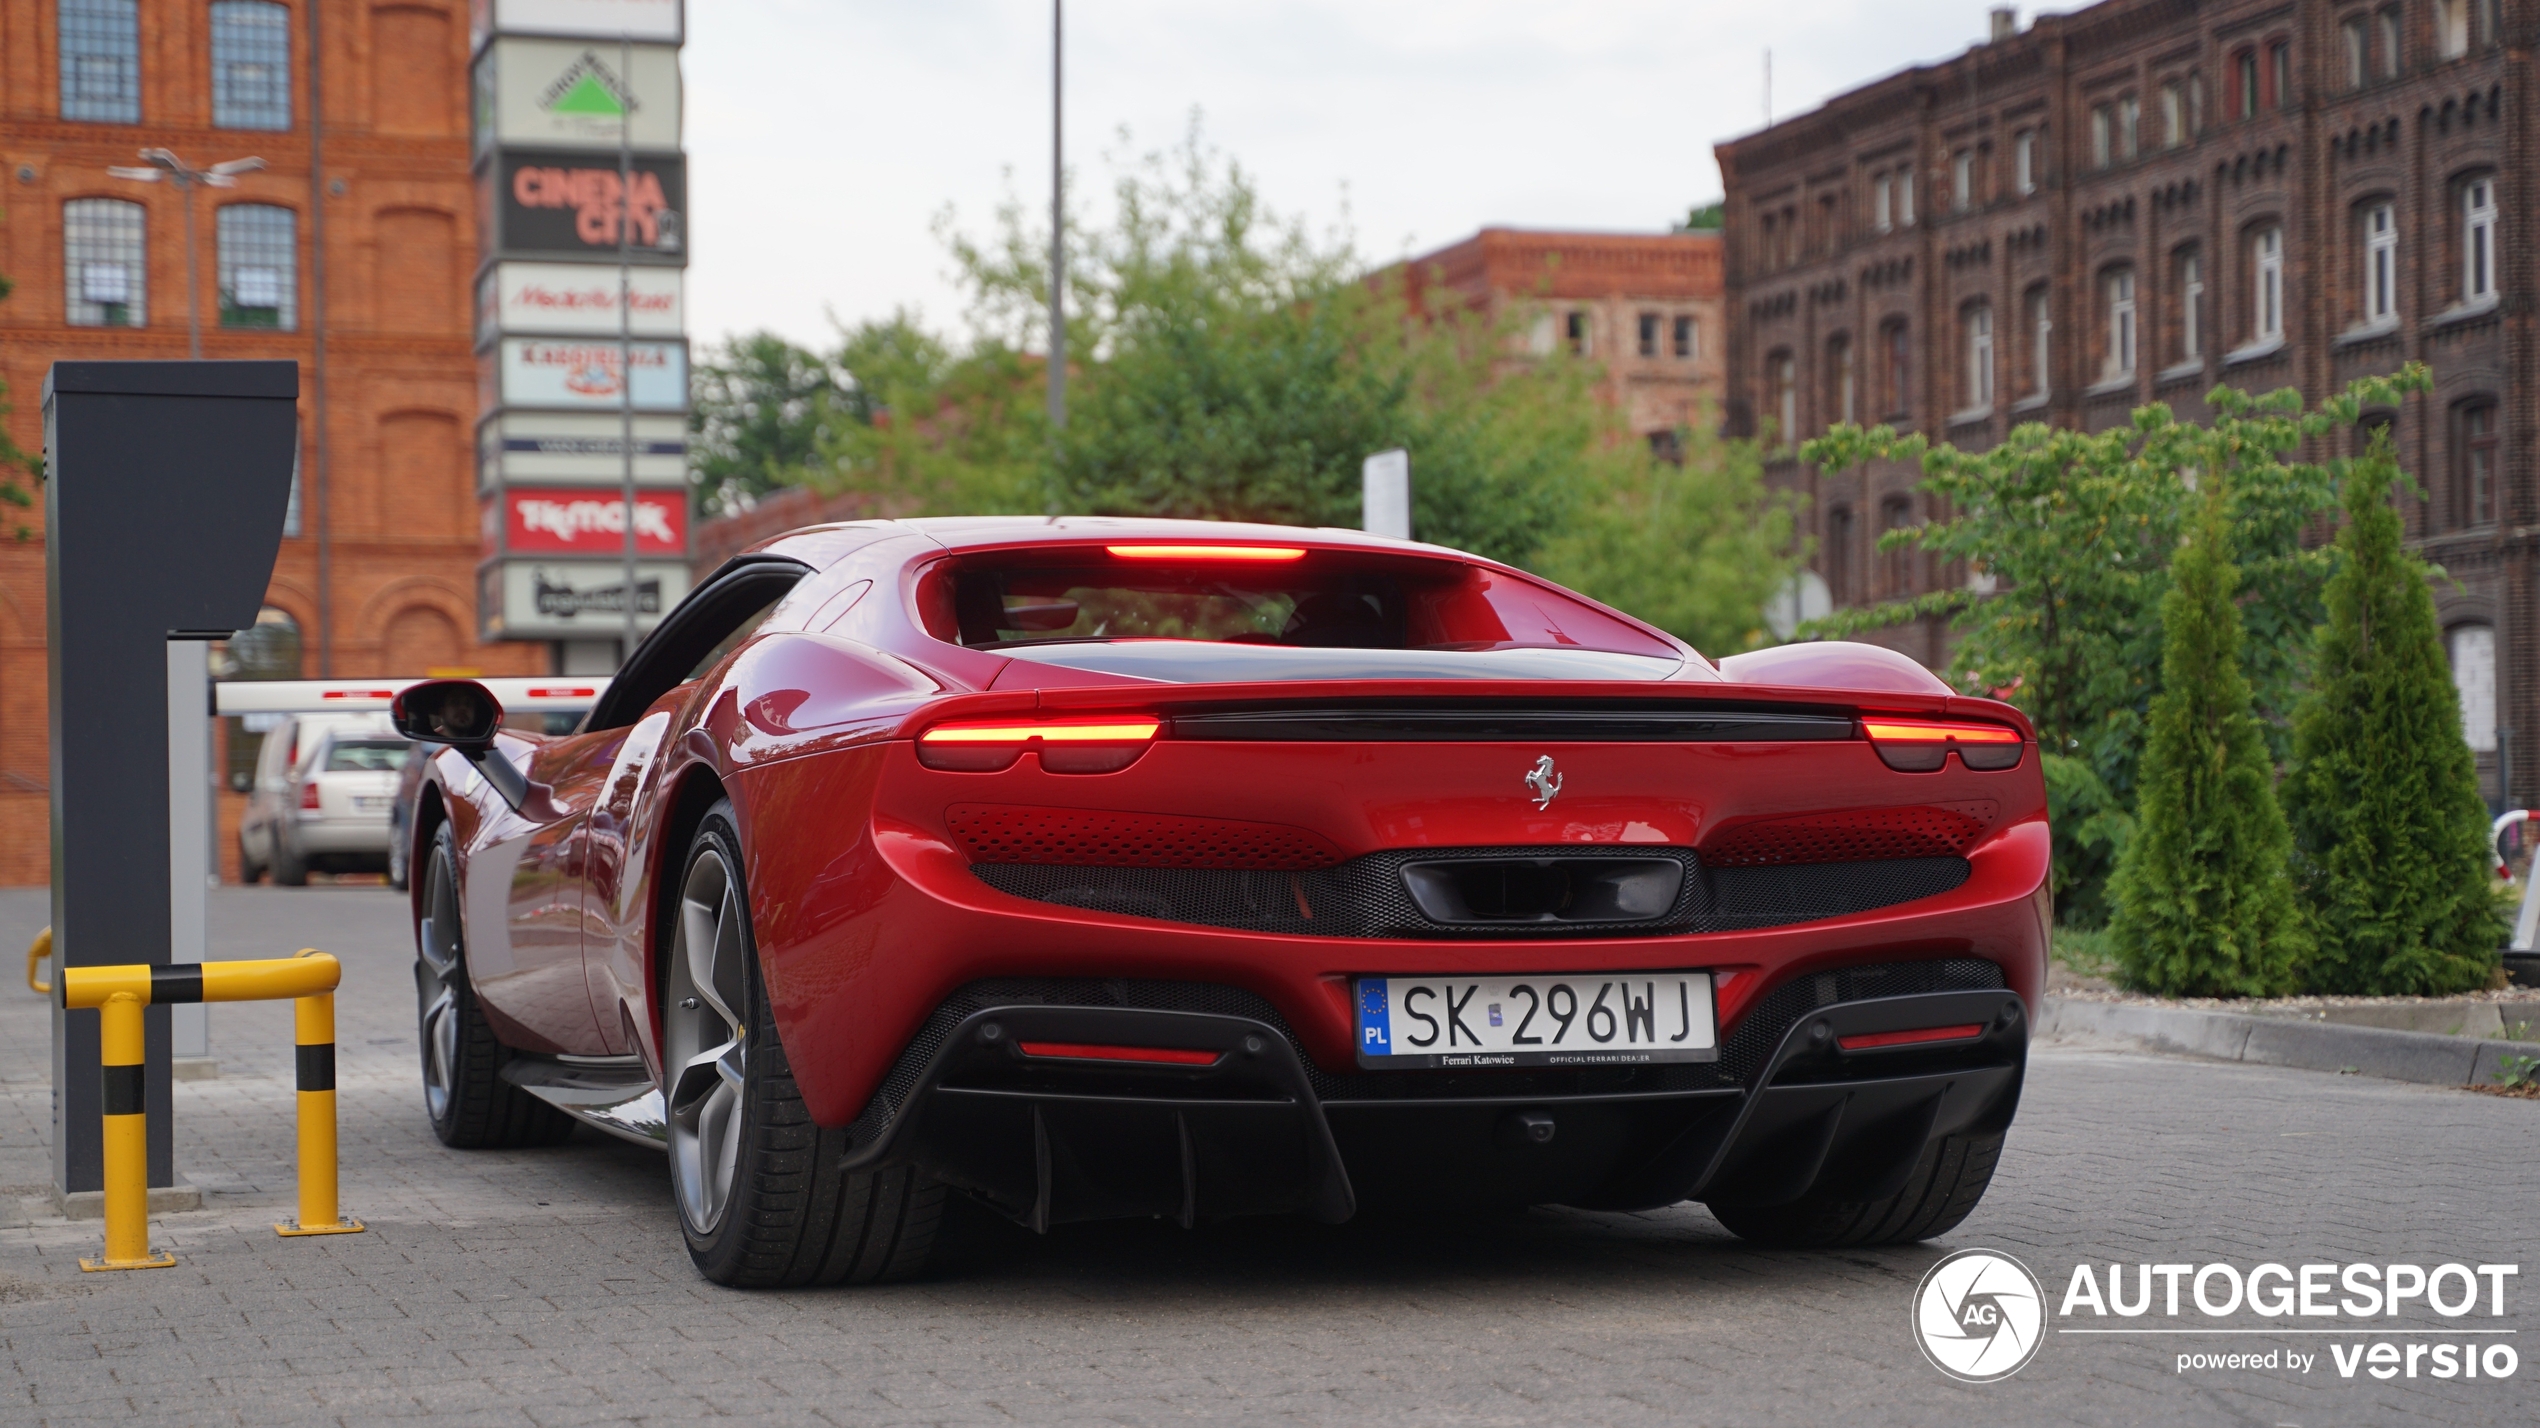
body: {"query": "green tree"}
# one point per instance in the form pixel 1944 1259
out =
pixel 2391 833
pixel 1707 217
pixel 761 408
pixel 2203 891
pixel 2067 538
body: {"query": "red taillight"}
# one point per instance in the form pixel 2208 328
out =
pixel 1149 1055
pixel 1207 552
pixel 1922 745
pixel 309 795
pixel 1101 744
pixel 1871 1040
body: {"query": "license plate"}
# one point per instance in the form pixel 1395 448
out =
pixel 1555 1019
pixel 365 804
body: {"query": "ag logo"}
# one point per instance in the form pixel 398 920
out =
pixel 1979 1315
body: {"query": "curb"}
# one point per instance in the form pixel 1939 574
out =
pixel 2422 1057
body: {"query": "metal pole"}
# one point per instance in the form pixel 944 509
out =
pixel 126 1136
pixel 317 362
pixel 626 316
pixel 193 299
pixel 1058 223
pixel 313 1035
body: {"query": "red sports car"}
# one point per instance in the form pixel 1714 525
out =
pixel 1097 868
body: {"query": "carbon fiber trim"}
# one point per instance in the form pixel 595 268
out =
pixel 1742 1055
pixel 1366 896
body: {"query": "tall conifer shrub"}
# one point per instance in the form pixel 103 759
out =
pixel 2390 831
pixel 2203 893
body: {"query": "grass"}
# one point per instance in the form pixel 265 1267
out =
pixel 2084 950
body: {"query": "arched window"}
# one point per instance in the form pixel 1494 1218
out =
pixel 1840 581
pixel 2473 652
pixel 2451 28
pixel 2378 221
pixel 1896 388
pixel 2478 240
pixel 259 265
pixel 2386 32
pixel 2123 328
pixel 1896 563
pixel 251 65
pixel 101 61
pixel 2354 50
pixel 2191 305
pixel 2244 84
pixel 105 275
pixel 2039 328
pixel 2266 284
pixel 2474 462
pixel 1842 402
pixel 1976 322
pixel 1782 378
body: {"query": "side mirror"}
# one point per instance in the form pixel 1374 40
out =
pixel 464 715
pixel 458 712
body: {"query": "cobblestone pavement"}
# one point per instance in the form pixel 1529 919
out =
pixel 550 1287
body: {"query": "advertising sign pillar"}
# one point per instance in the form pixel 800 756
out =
pixel 166 485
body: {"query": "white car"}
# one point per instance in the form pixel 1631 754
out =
pixel 320 799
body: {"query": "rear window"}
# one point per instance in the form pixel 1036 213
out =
pixel 367 755
pixel 1313 599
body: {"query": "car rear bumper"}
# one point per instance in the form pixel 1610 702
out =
pixel 1799 1102
pixel 320 836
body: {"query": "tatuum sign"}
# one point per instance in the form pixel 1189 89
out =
pixel 583 374
pixel 568 204
pixel 585 522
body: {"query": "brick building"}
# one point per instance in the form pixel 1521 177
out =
pixel 2140 200
pixel 350 252
pixel 1646 307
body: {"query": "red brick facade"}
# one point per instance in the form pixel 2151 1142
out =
pixel 1646 307
pixel 399 225
pixel 2256 193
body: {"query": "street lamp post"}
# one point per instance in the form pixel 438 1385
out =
pixel 166 164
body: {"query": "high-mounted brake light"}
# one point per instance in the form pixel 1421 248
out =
pixel 1099 744
pixel 1922 745
pixel 1871 1041
pixel 1148 1055
pixel 1207 552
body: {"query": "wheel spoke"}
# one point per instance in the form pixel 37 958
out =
pixel 699 930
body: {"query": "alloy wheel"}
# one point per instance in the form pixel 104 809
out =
pixel 706 1040
pixel 437 974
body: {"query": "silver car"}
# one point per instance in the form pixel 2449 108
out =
pixel 321 797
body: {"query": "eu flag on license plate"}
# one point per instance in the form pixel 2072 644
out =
pixel 1375 1017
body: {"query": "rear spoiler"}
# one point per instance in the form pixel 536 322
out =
pixel 354 696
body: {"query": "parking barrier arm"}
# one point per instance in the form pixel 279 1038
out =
pixel 120 993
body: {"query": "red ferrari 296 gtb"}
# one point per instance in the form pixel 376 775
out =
pixel 1095 868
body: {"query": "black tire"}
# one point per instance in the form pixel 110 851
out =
pixel 469 1103
pixel 762 1200
pixel 1942 1190
pixel 290 870
pixel 249 871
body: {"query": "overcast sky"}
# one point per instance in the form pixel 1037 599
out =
pixel 824 136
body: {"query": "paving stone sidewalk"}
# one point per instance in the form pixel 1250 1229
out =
pixel 549 1288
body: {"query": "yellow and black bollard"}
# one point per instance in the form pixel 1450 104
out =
pixel 120 993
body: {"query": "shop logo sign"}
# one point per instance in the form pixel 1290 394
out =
pixel 1979 1315
pixel 589 89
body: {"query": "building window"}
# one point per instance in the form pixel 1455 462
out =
pixel 2129 126
pixel 2103 136
pixel 2280 75
pixel 1840 584
pixel 2381 263
pixel 2191 307
pixel 2386 30
pixel 1905 197
pixel 2473 650
pixel 2478 241
pixel 1688 337
pixel 1843 399
pixel 2118 365
pixel 2195 102
pixel 2451 28
pixel 1649 334
pixel 1882 216
pixel 2474 444
pixel 251 65
pixel 1578 331
pixel 2024 160
pixel 2353 50
pixel 103 268
pixel 2244 84
pixel 1962 180
pixel 1978 322
pixel 259 258
pixel 1896 562
pixel 2266 285
pixel 1785 383
pixel 2173 114
pixel 2041 332
pixel 1900 370
pixel 101 61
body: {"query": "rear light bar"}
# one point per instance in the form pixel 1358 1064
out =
pixel 1146 1055
pixel 1208 552
pixel 1923 745
pixel 1101 744
pixel 1872 1040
